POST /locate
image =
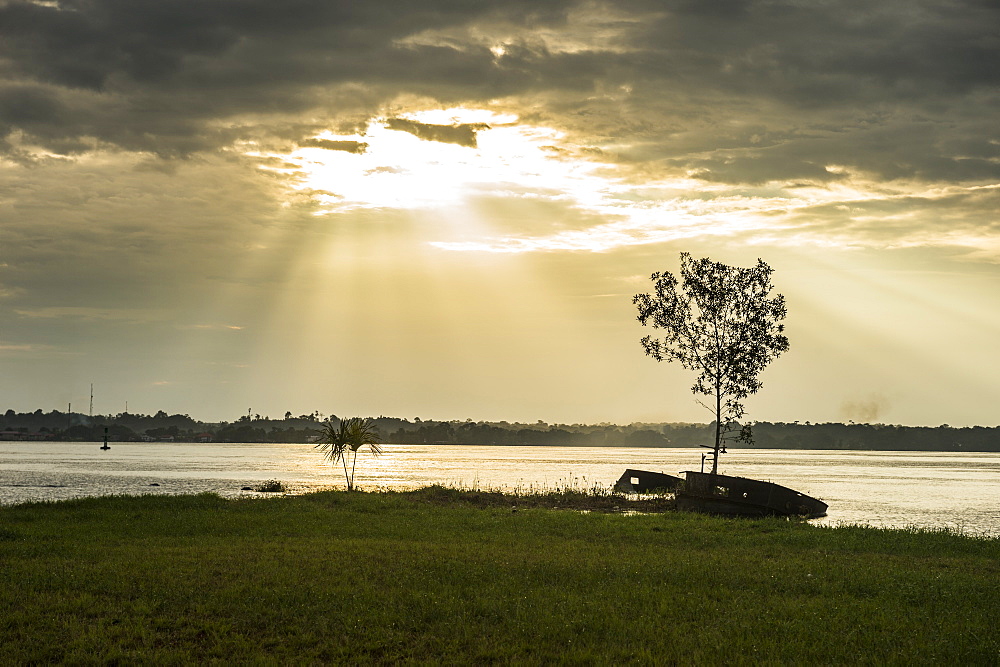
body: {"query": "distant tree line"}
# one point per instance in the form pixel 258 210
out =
pixel 160 427
pixel 128 427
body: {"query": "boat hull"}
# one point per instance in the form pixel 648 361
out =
pixel 739 496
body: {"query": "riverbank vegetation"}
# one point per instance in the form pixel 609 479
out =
pixel 161 427
pixel 443 575
pixel 270 486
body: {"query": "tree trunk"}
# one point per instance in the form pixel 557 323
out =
pixel 354 462
pixel 718 430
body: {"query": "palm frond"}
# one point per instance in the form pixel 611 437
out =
pixel 333 442
pixel 360 433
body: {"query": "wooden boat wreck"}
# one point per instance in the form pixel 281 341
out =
pixel 722 494
pixel 739 496
pixel 643 481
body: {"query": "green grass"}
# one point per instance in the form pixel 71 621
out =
pixel 441 575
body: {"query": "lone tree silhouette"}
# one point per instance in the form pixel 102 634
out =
pixel 350 435
pixel 721 322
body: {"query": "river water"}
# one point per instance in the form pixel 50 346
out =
pixel 890 489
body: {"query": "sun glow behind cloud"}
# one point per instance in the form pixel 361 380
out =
pixel 396 169
pixel 468 155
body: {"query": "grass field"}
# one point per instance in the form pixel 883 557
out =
pixel 441 575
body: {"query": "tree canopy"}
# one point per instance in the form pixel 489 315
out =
pixel 721 322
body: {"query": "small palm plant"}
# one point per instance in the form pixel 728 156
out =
pixel 350 435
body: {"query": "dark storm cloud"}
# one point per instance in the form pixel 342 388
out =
pixel 829 52
pixel 735 91
pixel 87 43
pixel 151 75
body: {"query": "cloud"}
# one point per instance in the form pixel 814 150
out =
pixel 332 145
pixel 463 134
pixel 748 92
pixel 172 79
pixel 212 327
pixel 790 110
pixel 19 347
pixel 89 313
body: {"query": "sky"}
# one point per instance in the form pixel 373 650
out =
pixel 442 209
